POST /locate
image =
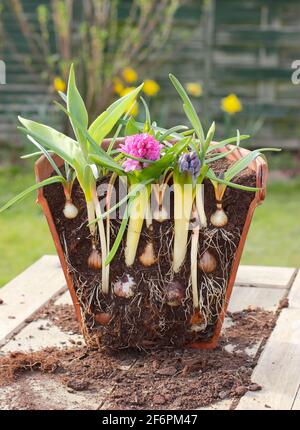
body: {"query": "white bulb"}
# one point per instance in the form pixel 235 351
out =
pixel 70 210
pixel 219 218
pixel 125 287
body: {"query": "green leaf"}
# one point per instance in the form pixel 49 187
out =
pixel 57 142
pixel 77 109
pixel 244 162
pixel 119 237
pixel 189 109
pixel 96 153
pixel 156 169
pixel 33 155
pixel 168 133
pixel 148 116
pixel 211 175
pixel 131 127
pixel 21 196
pixel 47 155
pixel 226 142
pixel 209 138
pixel 108 119
pixel 63 96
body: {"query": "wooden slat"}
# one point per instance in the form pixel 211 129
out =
pixel 32 338
pixel 264 276
pixel 266 298
pixel 278 368
pixel 28 292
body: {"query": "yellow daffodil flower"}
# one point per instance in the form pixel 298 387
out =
pixel 129 75
pixel 151 87
pixel 59 84
pixel 194 89
pixel 231 104
pixel 118 86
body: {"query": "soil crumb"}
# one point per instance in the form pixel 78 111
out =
pixel 165 379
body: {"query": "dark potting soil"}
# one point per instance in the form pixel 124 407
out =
pixel 162 379
pixel 146 320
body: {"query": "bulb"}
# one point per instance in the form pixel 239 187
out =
pixel 148 257
pixel 207 262
pixel 103 318
pixel 70 210
pixel 125 287
pixel 94 261
pixel 174 294
pixel 219 218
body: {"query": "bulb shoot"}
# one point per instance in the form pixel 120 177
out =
pixel 94 261
pixel 148 257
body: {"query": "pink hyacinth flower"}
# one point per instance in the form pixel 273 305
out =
pixel 140 146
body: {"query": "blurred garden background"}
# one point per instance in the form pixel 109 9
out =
pixel 234 57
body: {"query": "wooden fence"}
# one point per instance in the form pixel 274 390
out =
pixel 245 47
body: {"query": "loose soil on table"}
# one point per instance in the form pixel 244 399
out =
pixel 146 320
pixel 165 379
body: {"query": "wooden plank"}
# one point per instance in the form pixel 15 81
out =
pixel 266 298
pixel 41 334
pixel 28 292
pixel 278 367
pixel 47 392
pixel 294 296
pixel 265 276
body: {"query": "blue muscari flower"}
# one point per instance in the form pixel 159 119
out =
pixel 190 163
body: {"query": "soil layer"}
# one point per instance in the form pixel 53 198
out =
pixel 161 379
pixel 146 320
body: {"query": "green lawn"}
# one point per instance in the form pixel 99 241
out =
pixel 274 238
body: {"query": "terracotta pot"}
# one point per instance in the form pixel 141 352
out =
pixel 43 170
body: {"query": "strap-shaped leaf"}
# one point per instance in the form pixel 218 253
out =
pixel 189 109
pixel 244 162
pixel 77 108
pixel 108 119
pixel 23 194
pixel 52 139
pixel 226 142
pixel 47 155
pixel 148 116
pixel 211 175
pixel 209 137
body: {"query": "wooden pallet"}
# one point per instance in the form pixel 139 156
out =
pixel 277 370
